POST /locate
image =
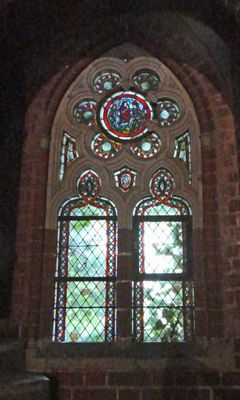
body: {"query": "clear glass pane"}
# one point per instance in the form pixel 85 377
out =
pixel 85 312
pixel 162 248
pixel 85 325
pixel 164 311
pixel 87 251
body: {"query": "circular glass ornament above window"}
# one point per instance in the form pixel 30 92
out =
pixel 168 112
pixel 103 147
pixel 124 114
pixel 146 80
pixel 147 147
pixel 106 81
pixel 84 112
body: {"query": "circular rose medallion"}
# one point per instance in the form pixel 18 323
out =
pixel 124 114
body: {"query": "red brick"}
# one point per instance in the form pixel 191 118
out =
pixel 90 394
pixel 234 205
pixel 226 394
pixel 231 379
pixel 129 394
pixel 237 345
pixel 95 378
pixel 163 377
pixel 71 378
pixel 141 378
pixel 199 394
pixel 186 378
pixel 237 362
pixel 165 394
pixel 64 393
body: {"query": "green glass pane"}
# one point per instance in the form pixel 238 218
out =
pixel 87 250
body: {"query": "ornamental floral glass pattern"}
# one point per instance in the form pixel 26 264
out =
pixel 183 152
pixel 84 112
pixel 124 114
pixel 106 81
pixel 163 303
pixel 84 309
pixel 89 186
pixel 105 148
pixel 147 147
pixel 146 80
pixel 68 153
pixel 168 112
pixel 125 178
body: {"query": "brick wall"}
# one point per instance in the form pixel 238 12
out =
pixel 168 384
pixel 205 75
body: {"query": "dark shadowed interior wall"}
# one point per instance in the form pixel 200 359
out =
pixel 44 48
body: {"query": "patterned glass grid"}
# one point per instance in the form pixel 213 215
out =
pixel 84 309
pixel 68 153
pixel 163 303
pixel 161 247
pixel 183 151
pixel 163 311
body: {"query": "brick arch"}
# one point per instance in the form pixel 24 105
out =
pixel 214 117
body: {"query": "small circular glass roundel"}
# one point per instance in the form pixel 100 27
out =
pixel 147 147
pixel 168 112
pixel 146 80
pixel 103 147
pixel 106 81
pixel 84 112
pixel 124 114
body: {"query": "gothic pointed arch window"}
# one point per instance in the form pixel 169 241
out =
pixel 124 190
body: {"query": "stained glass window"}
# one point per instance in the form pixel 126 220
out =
pixel 124 114
pixel 125 178
pixel 168 112
pixel 163 303
pixel 124 118
pixel 84 309
pixel 106 81
pixel 105 148
pixel 146 80
pixel 183 151
pixel 84 112
pixel 147 147
pixel 68 153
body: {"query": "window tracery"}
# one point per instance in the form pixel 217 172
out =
pixel 126 120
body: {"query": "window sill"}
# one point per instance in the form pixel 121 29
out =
pixel 55 356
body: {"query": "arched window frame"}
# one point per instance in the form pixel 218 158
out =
pixel 80 88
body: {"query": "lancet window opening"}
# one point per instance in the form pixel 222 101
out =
pixel 128 152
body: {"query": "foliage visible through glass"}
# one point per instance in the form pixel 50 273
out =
pixel 163 247
pixel 163 303
pixel 85 280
